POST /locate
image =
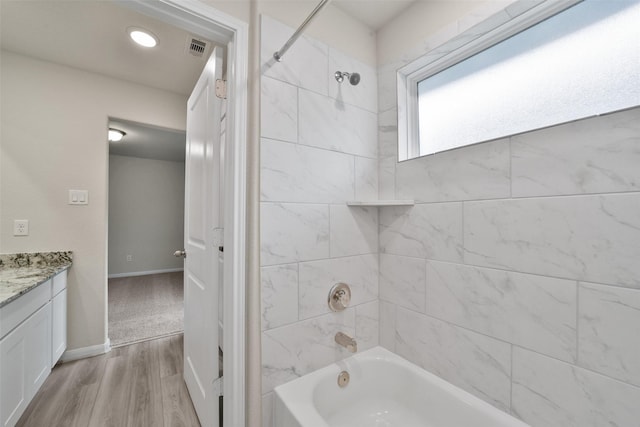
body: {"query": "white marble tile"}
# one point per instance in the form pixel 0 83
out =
pixel 294 350
pixel 279 295
pixel 457 41
pixel 478 22
pixel 387 178
pixel 295 173
pixel 431 231
pixel 387 325
pixel 367 325
pixel 363 95
pixel 536 312
pixel 474 362
pixel 267 410
pixel 594 155
pixel 366 178
pixel 590 238
pixel 353 230
pixel 519 7
pixel 317 278
pixel 305 65
pixel 387 85
pixel 475 172
pixel 293 232
pixel 330 124
pixel 388 133
pixel 609 326
pixel 437 45
pixel 551 393
pixel 402 281
pixel 278 110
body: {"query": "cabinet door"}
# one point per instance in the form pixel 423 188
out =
pixel 25 358
pixel 59 326
pixel 14 396
pixel 38 349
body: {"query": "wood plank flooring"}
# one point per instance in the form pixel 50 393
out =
pixel 138 385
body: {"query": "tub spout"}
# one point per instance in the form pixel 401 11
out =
pixel 347 342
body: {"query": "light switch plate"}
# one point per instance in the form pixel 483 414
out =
pixel 78 197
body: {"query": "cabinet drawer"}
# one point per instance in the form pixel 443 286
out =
pixel 59 282
pixel 14 313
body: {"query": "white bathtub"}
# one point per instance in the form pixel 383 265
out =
pixel 384 390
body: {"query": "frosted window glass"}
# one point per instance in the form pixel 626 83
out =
pixel 579 63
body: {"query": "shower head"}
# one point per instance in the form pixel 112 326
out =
pixel 354 78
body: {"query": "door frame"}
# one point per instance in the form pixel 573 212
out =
pixel 228 31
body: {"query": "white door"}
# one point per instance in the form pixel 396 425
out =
pixel 202 217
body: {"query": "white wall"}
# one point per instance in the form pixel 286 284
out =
pixel 146 214
pixel 515 275
pixel 54 123
pixel 318 151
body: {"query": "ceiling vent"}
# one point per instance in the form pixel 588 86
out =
pixel 196 47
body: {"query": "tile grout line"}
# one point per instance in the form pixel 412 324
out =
pixel 504 269
pixel 315 147
pixel 514 345
pixel 577 358
pixel 511 382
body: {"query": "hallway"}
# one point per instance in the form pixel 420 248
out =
pixel 139 385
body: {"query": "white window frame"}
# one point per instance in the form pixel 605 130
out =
pixel 488 33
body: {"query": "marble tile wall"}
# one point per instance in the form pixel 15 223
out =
pixel 516 276
pixel 318 151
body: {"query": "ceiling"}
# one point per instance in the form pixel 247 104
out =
pixel 373 13
pixel 92 35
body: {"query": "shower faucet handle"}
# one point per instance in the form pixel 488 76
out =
pixel 339 297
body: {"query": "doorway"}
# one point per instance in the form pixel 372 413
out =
pixel 226 31
pixel 146 225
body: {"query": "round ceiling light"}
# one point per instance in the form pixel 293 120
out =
pixel 143 37
pixel 115 135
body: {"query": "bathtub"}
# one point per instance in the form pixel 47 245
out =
pixel 384 390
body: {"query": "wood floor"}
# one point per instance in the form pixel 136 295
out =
pixel 138 385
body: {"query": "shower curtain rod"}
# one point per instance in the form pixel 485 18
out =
pixel 294 37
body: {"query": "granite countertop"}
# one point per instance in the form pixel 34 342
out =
pixel 19 273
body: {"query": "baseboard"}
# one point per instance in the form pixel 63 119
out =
pixel 84 352
pixel 144 273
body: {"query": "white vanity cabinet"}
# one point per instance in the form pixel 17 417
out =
pixel 31 328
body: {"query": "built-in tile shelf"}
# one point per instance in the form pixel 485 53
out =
pixel 380 203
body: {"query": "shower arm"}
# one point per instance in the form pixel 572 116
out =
pixel 278 55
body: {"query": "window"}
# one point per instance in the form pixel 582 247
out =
pixel 581 62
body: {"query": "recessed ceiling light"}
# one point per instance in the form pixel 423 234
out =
pixel 143 37
pixel 115 135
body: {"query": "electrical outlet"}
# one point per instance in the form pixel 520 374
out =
pixel 129 258
pixel 21 227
